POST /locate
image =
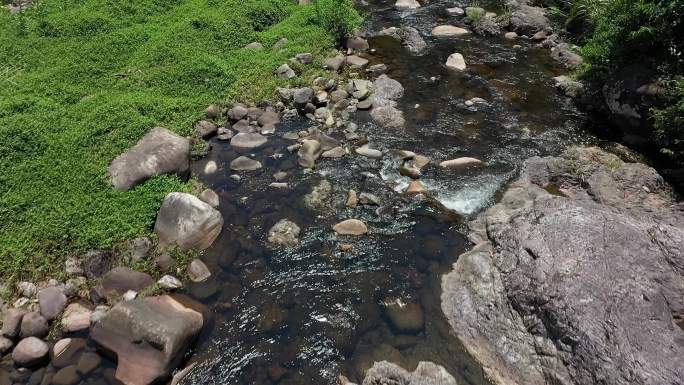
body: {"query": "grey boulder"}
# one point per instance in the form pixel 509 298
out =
pixel 159 152
pixel 575 277
pixel 427 373
pixel 188 222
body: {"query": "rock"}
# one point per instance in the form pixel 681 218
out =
pixel 29 352
pixel 416 187
pixel 138 248
pixel 449 30
pixel 302 96
pixel 511 35
pixel 243 163
pixel 122 279
pixel 539 36
pixel 455 11
pixel 304 58
pixel 237 113
pixel 99 312
pixel 319 197
pixel 351 227
pixel 410 38
pixel 256 46
pixel 369 199
pixel 280 44
pixel 387 115
pixel 5 345
pixel 335 63
pixel 188 222
pixel 159 152
pixel 308 153
pixel 210 167
pixel 88 362
pixel 76 317
pixel 27 289
pixel 68 375
pixel 205 129
pixel 461 162
pixel 409 171
pixel 284 233
pixel 164 261
pixel 528 20
pixel 335 152
pixel 564 54
pixel 248 140
pixel 352 199
pixel 170 282
pixel 369 152
pixel 486 25
pixel 210 197
pixel 569 87
pixel 285 72
pixel 364 104
pixel 268 117
pixel 34 325
pixel 356 62
pixel 377 69
pixel 575 276
pixel 357 44
pixel 198 271
pixel 405 317
pixel 387 88
pixel 11 322
pixel 94 263
pixel 407 4
pixel 456 61
pixel 52 301
pixel 166 326
pixel 426 373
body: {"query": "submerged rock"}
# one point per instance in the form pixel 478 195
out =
pixel 575 276
pixel 308 153
pixel 188 222
pixel 320 196
pixel 284 233
pixel 148 336
pixel 159 152
pixel 406 4
pixel 449 30
pixel 409 37
pixel 248 140
pixel 243 163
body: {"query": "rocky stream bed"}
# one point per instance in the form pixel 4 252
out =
pixel 437 214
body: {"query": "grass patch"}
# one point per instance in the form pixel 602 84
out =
pixel 83 80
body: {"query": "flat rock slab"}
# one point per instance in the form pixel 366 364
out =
pixel 426 373
pixel 159 152
pixel 188 222
pixel 243 163
pixel 461 162
pixel 148 336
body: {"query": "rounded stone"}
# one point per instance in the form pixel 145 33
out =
pixel 68 375
pixel 284 233
pixel 351 227
pixel 198 271
pixel 248 140
pixel 30 351
pixel 244 163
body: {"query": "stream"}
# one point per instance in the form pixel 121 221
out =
pixel 307 314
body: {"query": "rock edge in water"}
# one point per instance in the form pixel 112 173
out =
pixel 575 276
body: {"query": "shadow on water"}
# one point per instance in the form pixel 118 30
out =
pixel 306 315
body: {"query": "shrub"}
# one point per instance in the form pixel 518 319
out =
pixel 338 17
pixel 669 123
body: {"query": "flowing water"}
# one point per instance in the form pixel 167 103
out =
pixel 306 315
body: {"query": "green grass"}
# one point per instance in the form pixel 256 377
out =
pixel 83 80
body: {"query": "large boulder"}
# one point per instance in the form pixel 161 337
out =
pixel 159 152
pixel 188 222
pixel 148 337
pixel 409 37
pixel 385 111
pixel 121 279
pixel 528 20
pixel 575 277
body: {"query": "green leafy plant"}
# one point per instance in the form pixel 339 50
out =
pixel 337 17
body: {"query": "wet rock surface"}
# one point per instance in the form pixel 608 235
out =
pixel 575 276
pixel 148 336
pixel 188 222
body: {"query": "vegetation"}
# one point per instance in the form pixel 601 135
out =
pixel 619 33
pixel 83 80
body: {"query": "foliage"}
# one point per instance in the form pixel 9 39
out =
pixel 83 80
pixel 669 123
pixel 338 17
pixel 474 14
